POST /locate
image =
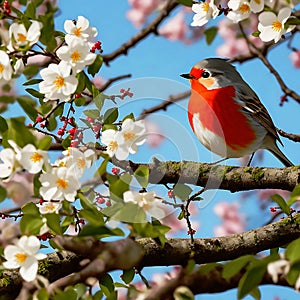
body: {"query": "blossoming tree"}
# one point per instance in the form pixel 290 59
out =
pixel 65 164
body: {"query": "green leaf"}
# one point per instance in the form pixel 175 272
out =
pixel 210 34
pixel 256 33
pixel 30 10
pixel 102 169
pixel 3 193
pixel 31 71
pixel 235 266
pixel 35 93
pixel 44 143
pixel 110 115
pixel 142 176
pixel 96 65
pixel 186 2
pixel 28 105
pixel 292 252
pixel 118 185
pixel 79 101
pixel 68 293
pixel 99 231
pixel 182 191
pixel 251 279
pixel 53 222
pixel 255 293
pixel 92 113
pixel 99 100
pixel 66 142
pixel 3 124
pixel 292 21
pixel 128 275
pixel 281 202
pixel 107 284
pixel 18 132
pixel 81 82
pixel 129 213
pixel 47 37
pixel 32 82
pixel 295 195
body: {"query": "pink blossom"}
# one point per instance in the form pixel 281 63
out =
pixel 175 29
pixel 20 188
pixel 98 81
pixel 295 58
pixel 233 220
pixel 140 10
pixel 154 134
pixel 8 232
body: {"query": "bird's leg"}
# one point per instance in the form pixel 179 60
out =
pixel 251 157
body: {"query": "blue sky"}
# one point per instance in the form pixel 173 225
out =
pixel 155 65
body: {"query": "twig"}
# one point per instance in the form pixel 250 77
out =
pixel 151 28
pixel 290 136
pixel 256 51
pixel 163 106
pixel 112 80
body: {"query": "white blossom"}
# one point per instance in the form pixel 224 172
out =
pixel 32 159
pixel 57 82
pixel 114 141
pixel 240 10
pixel 77 54
pixel 24 255
pixel 257 6
pixel 21 38
pixel 204 11
pixel 278 267
pixel 272 27
pixel 133 134
pixel 79 29
pixel 58 184
pixel 77 160
pixel 147 201
pixel 49 207
pixel 9 163
pixel 6 70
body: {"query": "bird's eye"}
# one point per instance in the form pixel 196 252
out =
pixel 205 74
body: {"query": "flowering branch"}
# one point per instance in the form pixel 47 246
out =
pixel 151 28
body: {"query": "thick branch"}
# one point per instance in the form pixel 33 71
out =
pixel 217 176
pixel 151 28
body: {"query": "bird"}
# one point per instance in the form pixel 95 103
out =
pixel 226 115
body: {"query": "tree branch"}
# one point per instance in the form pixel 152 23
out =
pixel 213 176
pixel 151 28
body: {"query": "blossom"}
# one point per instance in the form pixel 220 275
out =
pixel 21 38
pixel 240 10
pixel 9 163
pixel 233 221
pixel 257 5
pixel 278 267
pixel 32 159
pixel 113 139
pixel 154 135
pixel 57 82
pixel 295 58
pixel 272 27
pixel 204 11
pixel 49 207
pixel 9 231
pixel 5 66
pixel 175 29
pixel 133 133
pixel 58 184
pixel 77 54
pixel 147 201
pixel 24 255
pixel 77 160
pixel 79 29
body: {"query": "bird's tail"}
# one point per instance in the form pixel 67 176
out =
pixel 278 153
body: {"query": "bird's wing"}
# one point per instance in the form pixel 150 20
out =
pixel 252 105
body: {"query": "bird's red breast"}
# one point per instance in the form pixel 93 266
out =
pixel 221 114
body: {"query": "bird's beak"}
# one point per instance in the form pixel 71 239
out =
pixel 187 76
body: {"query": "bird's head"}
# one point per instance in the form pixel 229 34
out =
pixel 213 73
